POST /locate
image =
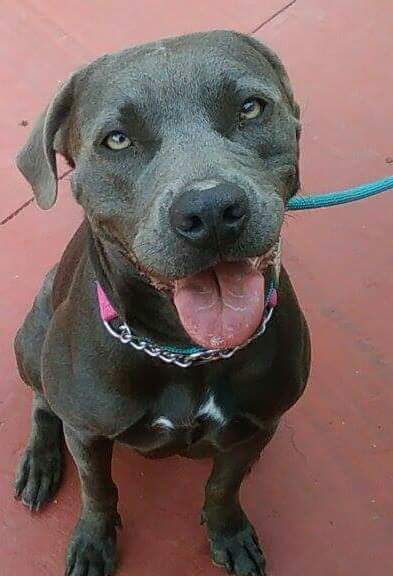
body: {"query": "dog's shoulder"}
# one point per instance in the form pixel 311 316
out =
pixel 71 259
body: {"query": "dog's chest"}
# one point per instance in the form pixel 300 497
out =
pixel 180 419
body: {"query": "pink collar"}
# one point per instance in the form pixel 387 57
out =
pixel 107 312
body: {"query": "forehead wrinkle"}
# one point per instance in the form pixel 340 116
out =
pixel 115 105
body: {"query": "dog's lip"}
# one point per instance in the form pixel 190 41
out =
pixel 167 285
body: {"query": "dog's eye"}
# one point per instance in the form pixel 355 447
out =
pixel 117 141
pixel 251 109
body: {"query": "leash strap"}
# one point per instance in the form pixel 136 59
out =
pixel 341 197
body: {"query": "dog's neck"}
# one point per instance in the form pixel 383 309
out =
pixel 149 312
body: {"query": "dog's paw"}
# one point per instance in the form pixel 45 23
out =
pixel 38 476
pixel 240 553
pixel 92 551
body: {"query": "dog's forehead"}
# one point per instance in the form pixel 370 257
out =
pixel 195 48
pixel 184 61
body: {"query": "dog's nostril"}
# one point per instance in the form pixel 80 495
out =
pixel 233 213
pixel 192 223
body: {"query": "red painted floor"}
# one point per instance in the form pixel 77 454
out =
pixel 321 498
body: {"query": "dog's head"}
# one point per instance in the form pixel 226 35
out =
pixel 185 153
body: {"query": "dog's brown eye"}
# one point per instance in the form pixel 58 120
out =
pixel 251 109
pixel 117 141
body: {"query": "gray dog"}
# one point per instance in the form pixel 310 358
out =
pixel 168 324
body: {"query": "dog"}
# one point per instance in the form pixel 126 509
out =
pixel 169 324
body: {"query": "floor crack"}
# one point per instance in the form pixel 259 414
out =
pixel 273 16
pixel 293 441
pixel 16 212
pixel 28 202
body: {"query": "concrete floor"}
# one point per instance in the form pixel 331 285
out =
pixel 321 497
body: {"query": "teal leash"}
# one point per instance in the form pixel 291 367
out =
pixel 341 197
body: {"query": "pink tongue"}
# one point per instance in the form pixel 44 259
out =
pixel 223 306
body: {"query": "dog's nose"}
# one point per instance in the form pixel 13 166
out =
pixel 210 215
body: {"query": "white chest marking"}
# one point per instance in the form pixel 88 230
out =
pixel 163 422
pixel 211 410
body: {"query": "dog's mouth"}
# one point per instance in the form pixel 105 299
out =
pixel 222 306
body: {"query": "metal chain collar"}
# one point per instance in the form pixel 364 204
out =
pixel 126 336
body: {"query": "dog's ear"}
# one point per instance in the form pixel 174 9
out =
pixel 37 159
pixel 279 70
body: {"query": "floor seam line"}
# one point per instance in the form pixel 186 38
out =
pixel 273 16
pixel 17 211
pixel 28 202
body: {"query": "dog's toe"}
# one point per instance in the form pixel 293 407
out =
pixel 92 551
pixel 38 477
pixel 239 553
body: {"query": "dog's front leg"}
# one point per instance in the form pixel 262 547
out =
pixel 92 550
pixel 233 541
